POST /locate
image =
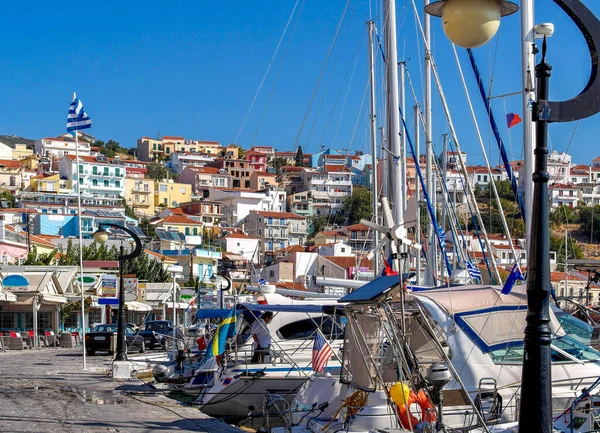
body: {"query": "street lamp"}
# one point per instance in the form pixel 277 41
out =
pixel 471 23
pixel 175 271
pixel 101 236
pixel 214 278
pixel 536 382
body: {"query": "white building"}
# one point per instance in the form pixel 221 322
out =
pixel 180 160
pixel 245 246
pixel 60 146
pixel 559 167
pixel 563 195
pixel 6 152
pixel 337 249
pixel 332 183
pixel 237 204
pixel 99 176
pixel 202 178
pixel 589 193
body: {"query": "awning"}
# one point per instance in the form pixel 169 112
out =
pixel 178 305
pixel 53 299
pixel 7 296
pixel 137 306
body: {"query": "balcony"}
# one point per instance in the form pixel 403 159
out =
pixel 140 191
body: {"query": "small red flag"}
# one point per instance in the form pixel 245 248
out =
pixel 512 119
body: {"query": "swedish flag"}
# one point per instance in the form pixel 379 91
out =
pixel 226 329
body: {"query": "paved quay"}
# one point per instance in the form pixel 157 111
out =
pixel 47 390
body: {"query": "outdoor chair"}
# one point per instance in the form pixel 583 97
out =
pixel 17 343
pixel 26 338
pixel 37 342
pixel 66 339
pixel 51 339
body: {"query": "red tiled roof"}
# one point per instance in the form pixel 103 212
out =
pixel 288 215
pixel 291 249
pixel 264 173
pixel 176 211
pixel 333 233
pixel 177 219
pixel 172 137
pixel 238 236
pixel 9 163
pixel 350 261
pixel 357 227
pixel 560 186
pixel 332 168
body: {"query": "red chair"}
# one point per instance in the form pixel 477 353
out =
pixel 13 334
pixel 51 339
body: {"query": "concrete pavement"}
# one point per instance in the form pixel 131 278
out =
pixel 48 391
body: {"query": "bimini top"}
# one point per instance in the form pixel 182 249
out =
pixel 462 299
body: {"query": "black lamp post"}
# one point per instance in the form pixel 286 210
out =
pixel 536 382
pixel 101 236
pixel 214 278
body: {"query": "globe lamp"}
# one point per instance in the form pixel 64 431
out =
pixel 471 23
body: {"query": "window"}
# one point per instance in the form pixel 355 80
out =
pixel 182 190
pixel 270 221
pixel 162 188
pixel 305 329
pixel 105 171
pixel 271 274
pixel 281 245
pixel 117 184
pixel 270 246
pixel 282 221
pixel 154 146
pixel 118 172
pixel 94 170
pixel 195 231
pixel 94 182
pixel 187 231
pixel 80 169
pixel 167 150
pixel 106 183
pixel 260 231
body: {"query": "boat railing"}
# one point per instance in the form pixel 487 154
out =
pixel 281 410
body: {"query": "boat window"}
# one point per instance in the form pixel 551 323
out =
pixel 574 327
pixel 570 346
pixel 305 329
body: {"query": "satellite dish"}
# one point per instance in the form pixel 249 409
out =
pixel 130 297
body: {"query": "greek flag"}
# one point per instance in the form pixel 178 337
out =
pixel 442 236
pixel 77 118
pixel 474 271
pixel 396 160
pixel 262 282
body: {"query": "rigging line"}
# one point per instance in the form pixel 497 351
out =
pixel 333 109
pixel 314 94
pixel 485 158
pixel 331 74
pixel 267 71
pixel 360 114
pixel 510 146
pixel 567 151
pixel 289 44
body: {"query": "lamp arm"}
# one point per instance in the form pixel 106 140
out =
pixel 587 103
pixel 138 243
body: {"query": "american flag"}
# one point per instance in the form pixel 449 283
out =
pixel 321 353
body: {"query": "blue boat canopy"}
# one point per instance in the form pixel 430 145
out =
pixel 372 290
pixel 210 313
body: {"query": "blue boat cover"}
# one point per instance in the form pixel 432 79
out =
pixel 291 308
pixel 372 290
pixel 210 313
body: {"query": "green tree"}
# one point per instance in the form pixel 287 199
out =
pixel 9 197
pixel 35 259
pixel 156 171
pixel 147 228
pixel 299 157
pixel 317 224
pixel 356 207
pixel 144 267
pixel 557 244
pixel 241 152
pixel 589 222
pixel 564 215
pixel 278 163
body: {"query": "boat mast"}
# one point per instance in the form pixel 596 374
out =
pixel 393 117
pixel 402 162
pixel 431 243
pixel 417 191
pixel 374 174
pixel 444 182
pixel 527 63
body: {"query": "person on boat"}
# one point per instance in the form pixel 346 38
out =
pixel 261 337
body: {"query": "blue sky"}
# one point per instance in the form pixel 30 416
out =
pixel 193 69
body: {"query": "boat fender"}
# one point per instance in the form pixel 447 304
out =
pixel 404 398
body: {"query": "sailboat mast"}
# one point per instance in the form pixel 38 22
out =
pixel 393 117
pixel 527 64
pixel 417 191
pixel 444 182
pixel 402 186
pixel 431 241
pixel 373 119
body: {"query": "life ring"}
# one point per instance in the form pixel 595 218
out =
pixel 427 410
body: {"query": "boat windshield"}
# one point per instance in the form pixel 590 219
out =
pixel 574 327
pixel 564 350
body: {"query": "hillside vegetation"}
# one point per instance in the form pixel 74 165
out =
pixel 11 140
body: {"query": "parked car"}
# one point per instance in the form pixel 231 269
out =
pixel 99 339
pixel 154 332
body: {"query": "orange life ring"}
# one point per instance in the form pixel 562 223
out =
pixel 427 410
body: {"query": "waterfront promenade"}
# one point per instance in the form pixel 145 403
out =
pixel 48 391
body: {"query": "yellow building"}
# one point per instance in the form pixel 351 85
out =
pixel 30 162
pixel 180 223
pixel 20 151
pixel 50 184
pixel 139 194
pixel 170 194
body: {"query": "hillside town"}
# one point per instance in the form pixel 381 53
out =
pixel 282 217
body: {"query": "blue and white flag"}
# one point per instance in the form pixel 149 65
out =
pixel 77 118
pixel 442 236
pixel 515 275
pixel 396 160
pixel 474 271
pixel 262 282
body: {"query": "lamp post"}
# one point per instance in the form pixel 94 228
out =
pixel 175 270
pixel 214 278
pixel 101 236
pixel 480 20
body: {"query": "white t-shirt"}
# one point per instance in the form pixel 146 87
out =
pixel 259 328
